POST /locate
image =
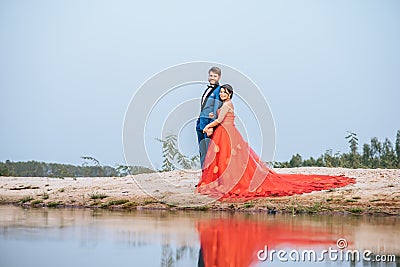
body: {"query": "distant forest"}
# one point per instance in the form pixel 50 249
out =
pixel 376 154
pixel 90 168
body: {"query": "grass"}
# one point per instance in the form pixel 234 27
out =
pixel 355 210
pixel 200 208
pixel 351 200
pixel 248 205
pixel 45 196
pixel 114 203
pixel 315 208
pixel 37 202
pixel 54 204
pixel 98 196
pixel 374 200
pixel 130 204
pixel 149 201
pixel 21 187
pixel 356 197
pixel 25 199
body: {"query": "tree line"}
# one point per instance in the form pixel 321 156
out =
pixel 376 154
pixel 89 168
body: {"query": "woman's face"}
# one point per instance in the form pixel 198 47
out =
pixel 223 94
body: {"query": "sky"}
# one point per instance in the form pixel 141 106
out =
pixel 69 69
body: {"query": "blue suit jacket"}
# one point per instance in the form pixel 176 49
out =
pixel 211 104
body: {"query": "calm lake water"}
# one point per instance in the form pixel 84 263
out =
pixel 82 237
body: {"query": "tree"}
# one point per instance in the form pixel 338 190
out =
pixel 353 141
pixel 376 151
pixel 397 148
pixel 353 157
pixel 366 157
pixel 97 164
pixel 296 161
pixel 389 159
pixel 172 155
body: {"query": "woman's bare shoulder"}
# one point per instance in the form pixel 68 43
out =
pixel 229 105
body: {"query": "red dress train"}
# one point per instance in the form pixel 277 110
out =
pixel 233 170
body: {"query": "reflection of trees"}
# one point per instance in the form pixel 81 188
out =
pixel 171 256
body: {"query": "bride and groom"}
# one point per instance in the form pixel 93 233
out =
pixel 230 167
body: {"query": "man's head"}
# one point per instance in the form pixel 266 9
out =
pixel 214 74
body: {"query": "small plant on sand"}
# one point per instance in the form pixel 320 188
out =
pixel 355 210
pixel 247 205
pixel 36 202
pixel 54 204
pixel 201 208
pixel 114 203
pixel 25 199
pixel 130 204
pixel 374 200
pixel 98 196
pixel 149 201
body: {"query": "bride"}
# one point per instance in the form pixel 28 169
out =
pixel 233 170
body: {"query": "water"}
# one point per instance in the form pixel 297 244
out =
pixel 83 237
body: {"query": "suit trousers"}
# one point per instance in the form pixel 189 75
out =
pixel 203 141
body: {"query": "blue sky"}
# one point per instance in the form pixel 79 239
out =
pixel 68 69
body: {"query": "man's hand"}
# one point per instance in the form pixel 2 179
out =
pixel 209 132
pixel 211 115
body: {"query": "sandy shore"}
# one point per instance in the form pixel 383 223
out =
pixel 377 191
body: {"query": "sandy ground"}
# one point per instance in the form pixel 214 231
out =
pixel 377 191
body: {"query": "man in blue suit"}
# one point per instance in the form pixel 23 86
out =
pixel 210 102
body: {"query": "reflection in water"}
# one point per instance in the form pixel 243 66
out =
pixel 83 237
pixel 235 241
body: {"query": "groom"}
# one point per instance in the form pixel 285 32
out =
pixel 210 102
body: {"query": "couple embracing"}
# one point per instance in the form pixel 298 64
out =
pixel 230 167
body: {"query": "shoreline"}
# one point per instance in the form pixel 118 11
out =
pixel 376 192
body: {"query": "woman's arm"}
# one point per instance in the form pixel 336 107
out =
pixel 224 110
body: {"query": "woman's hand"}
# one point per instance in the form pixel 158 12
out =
pixel 208 130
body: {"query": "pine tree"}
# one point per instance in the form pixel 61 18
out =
pixel 354 157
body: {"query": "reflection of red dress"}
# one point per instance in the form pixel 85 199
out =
pixel 236 241
pixel 233 170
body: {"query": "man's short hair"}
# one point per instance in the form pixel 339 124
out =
pixel 215 70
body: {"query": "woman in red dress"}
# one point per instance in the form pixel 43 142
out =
pixel 233 170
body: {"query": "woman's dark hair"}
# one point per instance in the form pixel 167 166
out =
pixel 228 88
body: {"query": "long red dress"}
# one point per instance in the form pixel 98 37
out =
pixel 233 170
